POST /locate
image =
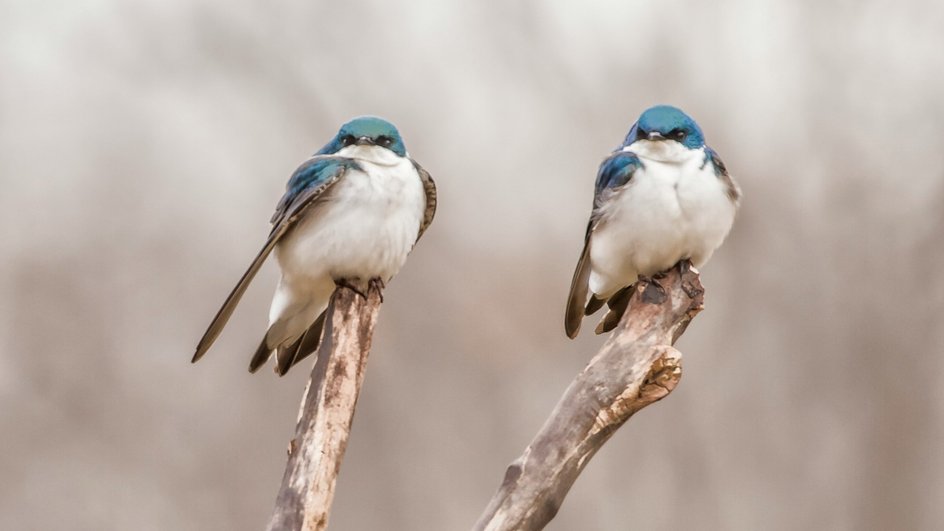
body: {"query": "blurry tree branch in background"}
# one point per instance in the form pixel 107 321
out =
pixel 324 421
pixel 637 366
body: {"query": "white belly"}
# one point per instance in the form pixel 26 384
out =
pixel 667 212
pixel 364 229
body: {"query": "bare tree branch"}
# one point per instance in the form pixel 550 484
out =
pixel 326 414
pixel 637 366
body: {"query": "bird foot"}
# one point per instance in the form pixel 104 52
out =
pixel 356 286
pixel 378 284
pixel 352 285
pixel 652 291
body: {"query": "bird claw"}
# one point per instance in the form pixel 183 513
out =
pixel 652 291
pixel 345 283
pixel 353 285
pixel 377 284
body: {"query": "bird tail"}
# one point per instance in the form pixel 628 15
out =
pixel 616 306
pixel 288 355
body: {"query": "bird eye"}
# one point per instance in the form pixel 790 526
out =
pixel 347 140
pixel 678 134
pixel 384 141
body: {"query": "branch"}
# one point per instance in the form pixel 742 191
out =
pixel 324 420
pixel 637 366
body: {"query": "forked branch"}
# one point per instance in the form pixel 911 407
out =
pixel 637 366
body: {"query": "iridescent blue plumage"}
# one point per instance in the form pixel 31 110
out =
pixel 666 122
pixel 314 173
pixel 375 130
pixel 616 171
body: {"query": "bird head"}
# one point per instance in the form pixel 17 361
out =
pixel 366 132
pixel 664 123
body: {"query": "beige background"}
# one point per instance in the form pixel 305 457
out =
pixel 144 144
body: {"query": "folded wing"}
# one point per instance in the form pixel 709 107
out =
pixel 307 185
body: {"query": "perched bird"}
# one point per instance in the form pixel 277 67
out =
pixel 350 215
pixel 661 197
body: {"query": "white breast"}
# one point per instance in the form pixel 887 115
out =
pixel 670 210
pixel 364 228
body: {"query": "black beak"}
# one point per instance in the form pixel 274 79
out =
pixel 365 141
pixel 655 135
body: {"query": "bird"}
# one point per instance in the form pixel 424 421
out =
pixel 662 197
pixel 350 215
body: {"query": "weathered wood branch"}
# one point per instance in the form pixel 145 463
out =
pixel 637 366
pixel 327 411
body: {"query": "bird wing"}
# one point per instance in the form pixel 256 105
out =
pixel 615 172
pixel 731 187
pixel 306 186
pixel 429 186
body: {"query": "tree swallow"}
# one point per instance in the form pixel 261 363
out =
pixel 661 197
pixel 350 215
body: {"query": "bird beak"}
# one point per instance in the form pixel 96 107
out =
pixel 364 141
pixel 655 135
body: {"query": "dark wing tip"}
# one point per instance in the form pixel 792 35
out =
pixel 202 349
pixel 571 327
pixel 574 313
pixel 577 297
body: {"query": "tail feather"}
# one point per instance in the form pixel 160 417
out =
pixel 262 355
pixel 284 355
pixel 617 305
pixel 303 347
pixel 594 304
pixel 288 355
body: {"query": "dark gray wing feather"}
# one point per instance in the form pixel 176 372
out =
pixel 429 186
pixel 615 172
pixel 731 188
pixel 577 298
pixel 289 209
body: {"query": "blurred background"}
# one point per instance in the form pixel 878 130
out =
pixel 143 146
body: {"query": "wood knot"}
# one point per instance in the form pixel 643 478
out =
pixel 663 376
pixel 511 475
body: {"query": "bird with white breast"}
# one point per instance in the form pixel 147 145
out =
pixel 350 215
pixel 662 198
